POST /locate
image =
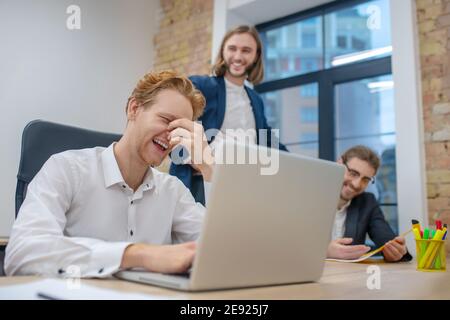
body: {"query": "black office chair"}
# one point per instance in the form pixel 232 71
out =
pixel 2 258
pixel 41 139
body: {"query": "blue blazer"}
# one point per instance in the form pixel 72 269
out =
pixel 213 88
pixel 364 216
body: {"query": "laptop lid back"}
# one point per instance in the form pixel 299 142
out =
pixel 266 229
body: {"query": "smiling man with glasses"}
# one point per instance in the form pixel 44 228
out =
pixel 358 212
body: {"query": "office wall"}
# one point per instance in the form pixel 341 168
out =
pixel 79 77
pixel 433 18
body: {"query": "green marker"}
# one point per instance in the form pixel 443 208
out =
pixel 426 236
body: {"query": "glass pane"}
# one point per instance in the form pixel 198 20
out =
pixel 294 111
pixel 364 108
pixel 358 33
pixel 379 144
pixel 365 115
pixel 391 215
pixel 306 149
pixel 293 49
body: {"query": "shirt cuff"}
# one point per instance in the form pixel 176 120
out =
pixel 207 188
pixel 106 259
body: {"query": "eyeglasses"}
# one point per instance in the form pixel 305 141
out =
pixel 356 175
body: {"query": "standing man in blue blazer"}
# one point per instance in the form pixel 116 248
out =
pixel 231 106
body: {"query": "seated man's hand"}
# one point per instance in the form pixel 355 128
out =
pixel 341 249
pixel 176 258
pixel 395 249
pixel 192 136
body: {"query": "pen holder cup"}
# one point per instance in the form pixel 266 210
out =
pixel 431 255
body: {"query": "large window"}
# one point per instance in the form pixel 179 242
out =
pixel 297 119
pixel 358 32
pixel 293 49
pixel 364 114
pixel 328 85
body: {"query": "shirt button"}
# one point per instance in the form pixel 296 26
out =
pixel 131 233
pixel 100 271
pixel 61 271
pixel 124 186
pixel 131 202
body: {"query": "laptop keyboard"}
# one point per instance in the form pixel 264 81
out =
pixel 186 274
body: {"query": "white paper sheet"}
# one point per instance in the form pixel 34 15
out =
pixel 67 290
pixel 369 254
pixel 362 258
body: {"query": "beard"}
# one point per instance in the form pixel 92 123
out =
pixel 344 198
pixel 246 71
pixel 351 192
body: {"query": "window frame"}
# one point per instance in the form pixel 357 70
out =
pixel 326 78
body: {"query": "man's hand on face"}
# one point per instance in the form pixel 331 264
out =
pixel 341 249
pixel 192 136
pixel 162 259
pixel 395 249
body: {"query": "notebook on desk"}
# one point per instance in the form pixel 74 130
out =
pixel 261 229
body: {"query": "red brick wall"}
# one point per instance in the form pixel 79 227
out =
pixel 434 33
pixel 183 42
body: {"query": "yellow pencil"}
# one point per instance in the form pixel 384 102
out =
pixel 371 253
pixel 418 238
pixel 434 253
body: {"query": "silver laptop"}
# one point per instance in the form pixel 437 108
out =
pixel 261 229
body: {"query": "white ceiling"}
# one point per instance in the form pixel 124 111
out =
pixel 270 9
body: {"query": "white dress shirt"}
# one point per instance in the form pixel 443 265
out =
pixel 78 211
pixel 339 222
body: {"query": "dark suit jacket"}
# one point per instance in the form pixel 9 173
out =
pixel 364 216
pixel 213 88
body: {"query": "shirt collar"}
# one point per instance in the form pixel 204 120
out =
pixel 148 181
pixel 345 207
pixel 112 174
pixel 232 86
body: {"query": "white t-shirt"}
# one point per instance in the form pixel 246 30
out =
pixel 239 120
pixel 339 222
